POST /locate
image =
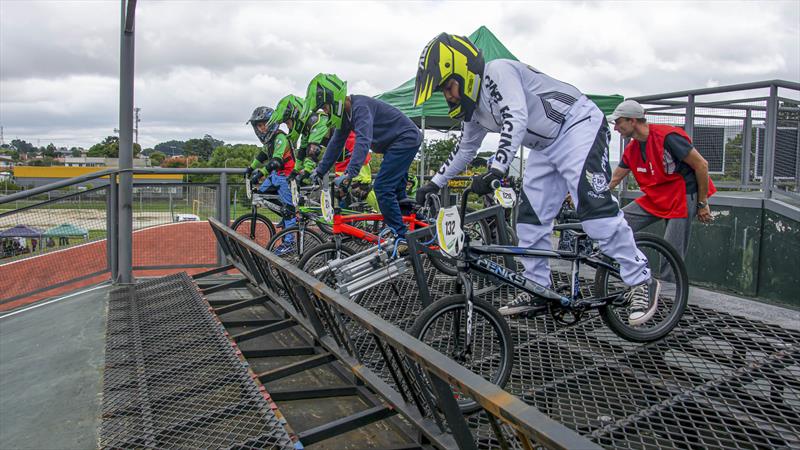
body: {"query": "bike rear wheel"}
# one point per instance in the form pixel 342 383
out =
pixel 259 229
pixel 442 325
pixel 668 268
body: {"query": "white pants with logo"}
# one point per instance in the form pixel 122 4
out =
pixel 576 162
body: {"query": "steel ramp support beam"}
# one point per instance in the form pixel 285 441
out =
pixel 223 286
pixel 304 394
pixel 239 305
pixel 345 424
pixel 291 369
pixel 277 326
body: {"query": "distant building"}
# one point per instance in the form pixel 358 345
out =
pixel 92 161
pixel 6 163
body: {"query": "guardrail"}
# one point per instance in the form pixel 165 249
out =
pixel 391 362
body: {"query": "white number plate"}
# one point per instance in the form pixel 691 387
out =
pixel 506 197
pixel 449 232
pixel 295 194
pixel 325 204
pixel 248 188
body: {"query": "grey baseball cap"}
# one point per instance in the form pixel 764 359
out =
pixel 629 109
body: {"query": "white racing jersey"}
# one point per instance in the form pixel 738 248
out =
pixel 524 105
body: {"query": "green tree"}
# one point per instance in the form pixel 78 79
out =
pixel 109 148
pixel 437 151
pixel 170 148
pixel 50 151
pixel 75 152
pixel 23 146
pixel 201 148
pixel 157 158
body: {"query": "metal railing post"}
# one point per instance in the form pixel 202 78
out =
pixel 769 142
pixel 112 231
pixel 689 124
pixel 222 211
pixel 747 142
pixel 126 141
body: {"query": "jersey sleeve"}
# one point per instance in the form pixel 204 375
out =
pixel 363 122
pixel 279 145
pixel 510 110
pixel 472 135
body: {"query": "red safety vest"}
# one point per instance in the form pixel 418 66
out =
pixel 664 193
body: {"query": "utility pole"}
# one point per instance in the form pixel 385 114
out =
pixel 2 141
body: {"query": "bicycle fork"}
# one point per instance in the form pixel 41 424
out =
pixel 466 283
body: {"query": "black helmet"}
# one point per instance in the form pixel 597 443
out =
pixel 262 114
pixel 450 56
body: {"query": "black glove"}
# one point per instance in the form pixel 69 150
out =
pixel 274 164
pixel 254 180
pixel 292 176
pixel 428 188
pixel 316 177
pixel 482 184
pixel 248 172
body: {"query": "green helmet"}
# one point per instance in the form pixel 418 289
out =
pixel 289 108
pixel 449 56
pixel 326 89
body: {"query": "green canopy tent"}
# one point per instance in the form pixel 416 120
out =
pixel 65 231
pixel 434 113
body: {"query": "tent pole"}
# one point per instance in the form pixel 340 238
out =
pixel 422 152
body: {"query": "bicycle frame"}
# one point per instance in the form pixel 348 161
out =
pixel 341 225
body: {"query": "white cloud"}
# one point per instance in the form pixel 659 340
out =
pixel 203 66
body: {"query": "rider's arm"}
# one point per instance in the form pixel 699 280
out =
pixel 362 126
pixel 472 135
pixel 510 110
pixel 332 151
pixel 258 161
pixel 280 145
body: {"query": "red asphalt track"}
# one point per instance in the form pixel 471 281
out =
pixel 171 244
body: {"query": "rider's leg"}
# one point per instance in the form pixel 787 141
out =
pixel 285 195
pixel 543 190
pixel 390 177
pixel 580 155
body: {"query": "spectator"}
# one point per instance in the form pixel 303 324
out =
pixel 676 188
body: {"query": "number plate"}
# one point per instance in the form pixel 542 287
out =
pixel 449 232
pixel 248 188
pixel 325 204
pixel 505 196
pixel 295 194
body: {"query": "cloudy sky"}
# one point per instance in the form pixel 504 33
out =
pixel 202 66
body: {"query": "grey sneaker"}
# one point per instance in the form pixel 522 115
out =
pixel 643 300
pixel 523 303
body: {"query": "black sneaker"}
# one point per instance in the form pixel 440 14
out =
pixel 523 303
pixel 643 300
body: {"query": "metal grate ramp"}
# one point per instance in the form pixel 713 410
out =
pixel 172 378
pixel 718 381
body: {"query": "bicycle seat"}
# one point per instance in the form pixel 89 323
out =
pixel 569 226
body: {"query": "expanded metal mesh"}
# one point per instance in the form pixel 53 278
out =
pixel 717 381
pixel 172 379
pixel 51 239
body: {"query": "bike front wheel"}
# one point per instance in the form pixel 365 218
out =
pixel 443 326
pixel 668 268
pixel 290 244
pixel 256 227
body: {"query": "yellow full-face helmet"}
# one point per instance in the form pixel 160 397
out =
pixel 449 56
